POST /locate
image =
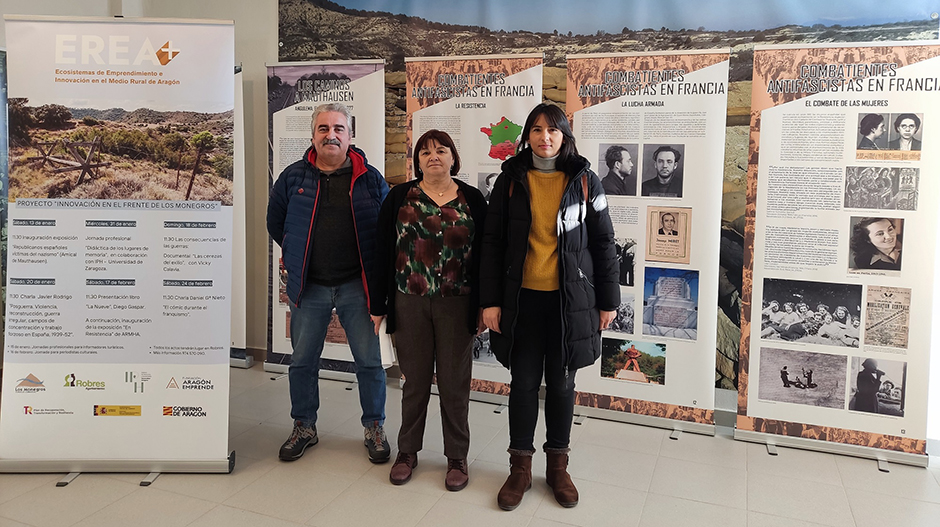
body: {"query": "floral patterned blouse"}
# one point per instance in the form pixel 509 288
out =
pixel 433 245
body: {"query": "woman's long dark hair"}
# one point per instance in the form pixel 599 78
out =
pixel 555 118
pixel 860 243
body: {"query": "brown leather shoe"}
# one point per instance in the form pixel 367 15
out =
pixel 402 469
pixel 457 477
pixel 519 480
pixel 556 475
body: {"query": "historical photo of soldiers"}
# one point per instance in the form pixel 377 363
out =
pixel 877 386
pixel 884 188
pixel 623 320
pixel 802 377
pixel 626 255
pixel 811 312
pixel 670 303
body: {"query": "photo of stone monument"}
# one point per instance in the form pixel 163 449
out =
pixel 634 361
pixel 670 303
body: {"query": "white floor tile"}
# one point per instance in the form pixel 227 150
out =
pixel 291 491
pixel 149 507
pixel 48 505
pixel 216 487
pixel 798 499
pixel 874 509
pixel 759 519
pixel 454 513
pixel 600 505
pixel 719 450
pixel 364 503
pixel 223 516
pixel 261 442
pixel 794 463
pixel 5 522
pixel 712 484
pixel 617 467
pixel 623 436
pixel 668 511
pixel 902 481
pixel 13 485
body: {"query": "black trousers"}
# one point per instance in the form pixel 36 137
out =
pixel 536 349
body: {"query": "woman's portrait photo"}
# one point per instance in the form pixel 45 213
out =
pixel 875 244
pixel 872 130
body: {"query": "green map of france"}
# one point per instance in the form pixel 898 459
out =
pixel 504 136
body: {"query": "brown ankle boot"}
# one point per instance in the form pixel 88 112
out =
pixel 519 480
pixel 556 475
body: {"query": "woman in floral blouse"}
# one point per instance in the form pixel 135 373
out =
pixel 428 239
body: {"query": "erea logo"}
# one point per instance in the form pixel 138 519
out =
pixel 115 51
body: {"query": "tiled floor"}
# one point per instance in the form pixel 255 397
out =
pixel 628 476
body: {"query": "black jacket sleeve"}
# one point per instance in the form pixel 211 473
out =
pixel 495 234
pixel 601 245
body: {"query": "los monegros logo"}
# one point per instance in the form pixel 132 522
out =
pixel 184 411
pixel 71 381
pixel 29 384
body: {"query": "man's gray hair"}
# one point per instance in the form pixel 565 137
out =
pixel 331 107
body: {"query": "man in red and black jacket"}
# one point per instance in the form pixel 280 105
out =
pixel 322 211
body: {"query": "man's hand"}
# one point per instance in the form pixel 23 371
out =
pixel 377 321
pixel 491 316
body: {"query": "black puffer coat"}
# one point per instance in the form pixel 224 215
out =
pixel 588 267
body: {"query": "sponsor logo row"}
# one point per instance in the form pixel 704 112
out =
pixel 122 410
pixel 135 381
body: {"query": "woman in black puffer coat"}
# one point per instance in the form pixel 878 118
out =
pixel 548 286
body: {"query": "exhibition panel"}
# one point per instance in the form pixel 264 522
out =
pixel 294 91
pixel 119 288
pixel 836 324
pixel 653 126
pixel 481 102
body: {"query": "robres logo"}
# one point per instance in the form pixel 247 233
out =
pixel 92 49
pixel 73 382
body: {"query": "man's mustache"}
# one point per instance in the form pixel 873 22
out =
pixel 330 142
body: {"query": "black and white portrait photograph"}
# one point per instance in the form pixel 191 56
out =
pixel 663 168
pixel 811 312
pixel 626 255
pixel 905 131
pixel 872 131
pixel 802 377
pixel 875 243
pixel 885 188
pixel 623 319
pixel 877 386
pixel 618 166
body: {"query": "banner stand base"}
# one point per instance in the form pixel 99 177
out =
pixel 646 420
pixel 274 367
pixel 904 458
pixel 181 466
pixel 329 375
pixel 244 364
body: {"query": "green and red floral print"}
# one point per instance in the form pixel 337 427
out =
pixel 433 245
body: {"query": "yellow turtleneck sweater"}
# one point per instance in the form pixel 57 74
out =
pixel 541 262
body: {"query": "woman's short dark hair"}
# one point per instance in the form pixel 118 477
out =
pixel 897 121
pixel 555 118
pixel 860 242
pixel 441 138
pixel 869 123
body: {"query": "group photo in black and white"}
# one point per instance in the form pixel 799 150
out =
pixel 884 188
pixel 626 255
pixel 812 312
